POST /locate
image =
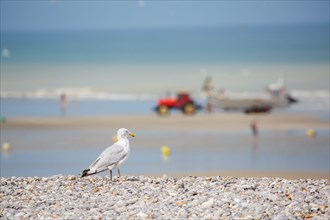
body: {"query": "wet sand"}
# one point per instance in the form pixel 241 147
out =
pixel 84 132
pixel 226 121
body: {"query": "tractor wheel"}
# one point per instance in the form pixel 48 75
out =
pixel 189 109
pixel 163 110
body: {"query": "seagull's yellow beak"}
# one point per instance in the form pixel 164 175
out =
pixel 132 135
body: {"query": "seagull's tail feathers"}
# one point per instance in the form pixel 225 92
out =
pixel 87 173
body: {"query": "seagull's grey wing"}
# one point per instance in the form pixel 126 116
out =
pixel 108 157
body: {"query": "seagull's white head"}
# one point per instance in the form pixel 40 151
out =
pixel 124 133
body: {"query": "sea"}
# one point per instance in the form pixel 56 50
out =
pixel 156 61
pixel 125 71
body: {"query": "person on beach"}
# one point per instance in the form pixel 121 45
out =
pixel 207 88
pixel 254 127
pixel 64 103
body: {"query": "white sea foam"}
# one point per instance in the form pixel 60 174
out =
pixel 305 94
pixel 75 94
pixel 310 94
pixel 88 93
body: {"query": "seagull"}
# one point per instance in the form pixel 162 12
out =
pixel 112 157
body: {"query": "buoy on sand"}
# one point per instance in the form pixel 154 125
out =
pixel 310 133
pixel 6 147
pixel 166 151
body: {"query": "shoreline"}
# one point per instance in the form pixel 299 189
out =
pixel 221 121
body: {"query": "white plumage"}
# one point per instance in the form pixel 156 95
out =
pixel 112 157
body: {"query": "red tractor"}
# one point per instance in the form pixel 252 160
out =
pixel 183 102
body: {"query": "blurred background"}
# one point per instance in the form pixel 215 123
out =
pixel 65 62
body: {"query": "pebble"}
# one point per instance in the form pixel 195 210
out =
pixel 208 203
pixel 166 197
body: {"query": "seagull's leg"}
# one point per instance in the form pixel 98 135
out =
pixel 110 174
pixel 118 172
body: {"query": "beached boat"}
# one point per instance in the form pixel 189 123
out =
pixel 275 96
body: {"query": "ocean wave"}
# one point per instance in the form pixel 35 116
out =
pixel 310 93
pixel 300 94
pixel 74 94
pixel 90 94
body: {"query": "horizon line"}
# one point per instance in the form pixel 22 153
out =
pixel 170 27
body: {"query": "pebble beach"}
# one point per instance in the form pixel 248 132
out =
pixel 166 197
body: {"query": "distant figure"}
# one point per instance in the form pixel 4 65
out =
pixel 64 103
pixel 254 127
pixel 208 88
pixel 209 107
pixel 207 85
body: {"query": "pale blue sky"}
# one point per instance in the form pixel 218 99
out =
pixel 54 15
